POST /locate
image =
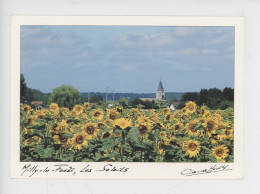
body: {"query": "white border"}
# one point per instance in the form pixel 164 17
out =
pixel 136 170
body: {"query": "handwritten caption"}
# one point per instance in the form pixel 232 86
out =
pixel 212 169
pixel 30 170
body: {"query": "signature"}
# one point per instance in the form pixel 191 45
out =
pixel 30 169
pixel 215 168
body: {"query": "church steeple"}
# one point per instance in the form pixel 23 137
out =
pixel 160 92
pixel 160 87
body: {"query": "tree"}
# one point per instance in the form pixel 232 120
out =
pixel 23 88
pixel 65 96
pixel 190 96
pixel 203 96
pixel 172 99
pixel 96 98
pixel 228 94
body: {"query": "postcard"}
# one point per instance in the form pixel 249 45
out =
pixel 127 97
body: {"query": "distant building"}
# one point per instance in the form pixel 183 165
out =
pixel 174 105
pixel 160 92
pixel 36 103
pixel 148 99
pixel 159 95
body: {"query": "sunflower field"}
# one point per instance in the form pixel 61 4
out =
pixel 83 134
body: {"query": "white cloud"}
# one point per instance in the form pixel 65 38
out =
pixel 184 31
pixel 145 41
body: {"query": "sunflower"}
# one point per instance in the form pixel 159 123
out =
pixel 143 128
pixel 78 109
pixel 177 127
pixel 87 105
pixel 35 140
pixel 105 135
pixel 101 125
pixel 191 128
pixel 40 114
pixel 163 134
pixel 210 126
pixel 220 152
pixel 91 130
pixel 119 109
pixel 191 148
pixel 226 134
pixel 144 119
pixel 112 114
pixel 176 115
pixel 79 140
pixel 123 123
pixel 165 110
pixel 54 107
pixel 159 148
pixel 158 124
pixel 204 111
pixel 191 107
pixel 168 117
pixel 31 119
pixel 135 111
pixel 27 131
pixel 27 108
pixel 60 139
pixel 62 127
pixel 98 114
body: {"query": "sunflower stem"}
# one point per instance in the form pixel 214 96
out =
pixel 121 148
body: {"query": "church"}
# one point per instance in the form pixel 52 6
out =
pixel 160 95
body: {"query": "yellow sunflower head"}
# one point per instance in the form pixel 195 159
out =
pixel 54 107
pixel 210 126
pixel 35 140
pixel 27 108
pixel 27 131
pixel 78 109
pixel 191 148
pixel 112 114
pixel 226 134
pixel 191 128
pixel 168 117
pixel 220 152
pixel 98 114
pixel 91 130
pixel 87 105
pixel 143 128
pixel 79 140
pixel 166 110
pixel 123 123
pixel 163 134
pixel 62 127
pixel 191 107
pixel 144 119
pixel 160 149
pixel 105 135
pixel 177 127
pixel 60 139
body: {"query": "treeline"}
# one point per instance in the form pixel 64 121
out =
pixel 27 95
pixel 65 96
pixel 213 98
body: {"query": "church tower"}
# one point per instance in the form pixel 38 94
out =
pixel 160 92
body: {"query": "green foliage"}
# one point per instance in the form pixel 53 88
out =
pixel 213 98
pixel 190 96
pixel 23 88
pixel 65 96
pixel 96 98
pixel 28 94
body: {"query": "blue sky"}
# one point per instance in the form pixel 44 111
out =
pixel 127 58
